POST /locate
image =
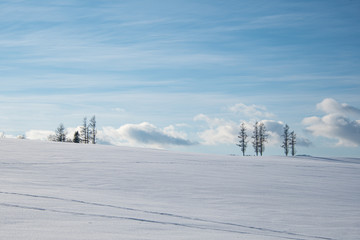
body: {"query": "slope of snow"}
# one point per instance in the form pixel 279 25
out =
pixel 73 191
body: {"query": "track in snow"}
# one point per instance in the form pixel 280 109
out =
pixel 183 221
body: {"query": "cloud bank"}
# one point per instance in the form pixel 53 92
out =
pixel 340 122
pixel 144 134
pixel 38 134
pixel 221 131
pixel 211 130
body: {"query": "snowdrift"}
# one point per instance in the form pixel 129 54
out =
pixel 72 191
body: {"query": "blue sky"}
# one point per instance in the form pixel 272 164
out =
pixel 183 75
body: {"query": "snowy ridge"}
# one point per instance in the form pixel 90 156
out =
pixel 71 191
pixel 339 159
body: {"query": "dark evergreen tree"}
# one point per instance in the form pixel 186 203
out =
pixel 242 139
pixel 293 143
pixel 60 134
pixel 256 138
pixel 76 137
pixel 262 138
pixel 286 139
pixel 92 130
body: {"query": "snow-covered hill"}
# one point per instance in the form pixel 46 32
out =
pixel 73 191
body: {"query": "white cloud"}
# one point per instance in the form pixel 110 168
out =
pixel 303 142
pixel 44 134
pixel 331 106
pixel 337 123
pixel 71 131
pixel 212 122
pixel 144 134
pixel 38 134
pixel 219 131
pixel 252 111
pixel 276 128
pixel 4 135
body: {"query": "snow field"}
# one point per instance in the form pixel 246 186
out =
pixel 72 191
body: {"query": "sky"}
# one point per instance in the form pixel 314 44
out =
pixel 183 75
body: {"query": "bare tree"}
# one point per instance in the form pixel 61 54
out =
pixel 256 138
pixel 262 138
pixel 84 133
pixel 242 138
pixel 93 130
pixel 52 137
pixel 292 143
pixel 60 134
pixel 286 139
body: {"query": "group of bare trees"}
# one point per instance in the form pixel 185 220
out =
pixel 88 131
pixel 289 141
pixel 86 135
pixel 259 138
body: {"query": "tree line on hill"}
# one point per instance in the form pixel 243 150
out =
pixel 260 137
pixel 86 135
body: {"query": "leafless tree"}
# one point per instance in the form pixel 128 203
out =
pixel 242 138
pixel 256 138
pixel 60 134
pixel 286 139
pixel 92 130
pixel 84 133
pixel 262 137
pixel 293 143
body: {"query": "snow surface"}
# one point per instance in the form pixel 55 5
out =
pixel 73 191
